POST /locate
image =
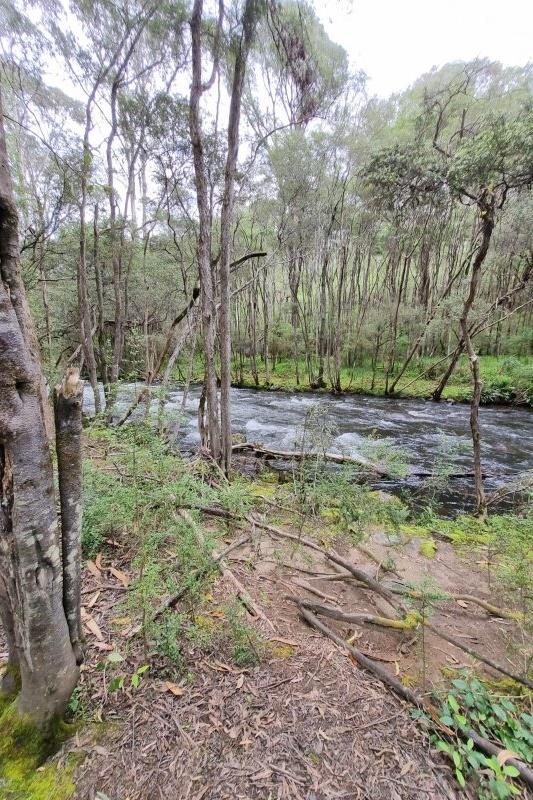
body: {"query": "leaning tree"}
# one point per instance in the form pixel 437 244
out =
pixel 39 557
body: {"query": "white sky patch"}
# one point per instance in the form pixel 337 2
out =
pixel 396 41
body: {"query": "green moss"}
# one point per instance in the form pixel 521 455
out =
pixel 428 548
pixel 415 531
pixel 280 650
pixel 24 750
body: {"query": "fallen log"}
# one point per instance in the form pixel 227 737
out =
pixel 293 455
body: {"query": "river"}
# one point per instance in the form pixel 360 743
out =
pixel 423 435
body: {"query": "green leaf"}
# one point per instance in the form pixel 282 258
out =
pixel 513 772
pixel 460 778
pixel 447 720
pixel 460 684
pixel 114 657
pixel 454 705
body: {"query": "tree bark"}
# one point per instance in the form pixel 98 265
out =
pixel 486 204
pixel 68 402
pixel 31 581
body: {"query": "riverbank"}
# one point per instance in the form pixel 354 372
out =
pixel 506 380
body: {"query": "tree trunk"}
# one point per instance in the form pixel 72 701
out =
pixel 84 310
pixel 68 402
pixel 226 218
pixel 207 282
pixel 31 575
pixel 486 205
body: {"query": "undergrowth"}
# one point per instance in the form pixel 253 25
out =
pixel 470 705
pixel 142 497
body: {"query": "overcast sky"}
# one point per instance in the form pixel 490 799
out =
pixel 396 41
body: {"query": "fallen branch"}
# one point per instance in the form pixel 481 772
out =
pixel 173 600
pixel 479 656
pixel 402 691
pixel 410 622
pixel 291 455
pixel 495 611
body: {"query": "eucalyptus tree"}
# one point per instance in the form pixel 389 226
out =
pixel 240 38
pixel 39 579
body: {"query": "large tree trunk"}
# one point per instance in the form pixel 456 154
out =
pixel 31 574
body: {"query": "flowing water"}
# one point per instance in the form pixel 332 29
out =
pixel 427 437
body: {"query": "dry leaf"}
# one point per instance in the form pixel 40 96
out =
pixel 283 641
pixel 505 755
pixel 174 688
pixel 93 627
pixel 406 768
pixel 240 682
pixel 98 561
pixel 121 576
pixel 245 742
pixel 93 599
pixel 93 569
pixel 121 621
pixel 218 614
pixel 462 603
pixel 104 646
pixel 219 667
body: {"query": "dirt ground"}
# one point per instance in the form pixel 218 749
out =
pixel 307 723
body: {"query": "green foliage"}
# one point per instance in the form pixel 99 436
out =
pixel 148 501
pixel 446 451
pixel 470 706
pixel 423 596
